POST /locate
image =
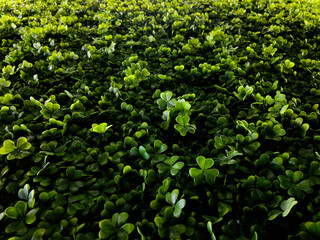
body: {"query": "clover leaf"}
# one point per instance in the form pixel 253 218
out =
pixel 117 225
pixel 24 194
pixel 165 101
pixel 183 125
pixel 100 128
pixel 172 198
pixel 205 171
pixel 17 151
pixel 285 206
pixel 170 165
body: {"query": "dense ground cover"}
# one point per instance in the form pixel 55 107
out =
pixel 159 119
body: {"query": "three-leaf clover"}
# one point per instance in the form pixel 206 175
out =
pixel 172 198
pixel 294 183
pixel 117 225
pixel 170 165
pixel 165 100
pixel 19 213
pixel 15 151
pixel 24 194
pixel 183 125
pixel 205 170
pixel 243 92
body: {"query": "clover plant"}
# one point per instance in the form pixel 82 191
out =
pixel 214 107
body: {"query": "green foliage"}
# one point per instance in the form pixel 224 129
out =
pixel 214 107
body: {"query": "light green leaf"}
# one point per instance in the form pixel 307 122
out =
pixel 181 203
pixel 37 235
pixel 183 120
pixel 22 143
pixel 195 172
pixel 11 212
pixel 172 197
pixel 31 199
pixel 2 215
pixel 8 147
pixel 166 96
pixel 284 109
pixel 209 227
pixel 128 227
pixel 23 193
pixel 31 216
pixel 100 128
pixel 143 153
pixel 287 205
pixel 204 163
pixel 273 214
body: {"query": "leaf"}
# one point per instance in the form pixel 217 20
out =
pixel 177 212
pixel 31 216
pixel 107 229
pixel 143 153
pixel 171 160
pixel 161 103
pixel 204 163
pixel 287 205
pixel 273 214
pixel 211 175
pixel 119 219
pixel 313 229
pixel 176 230
pixel 278 130
pixel 23 193
pixel 284 109
pixel 70 172
pixel 172 197
pixel 159 221
pixel 8 147
pixel 145 73
pixel 305 185
pixel 296 176
pixel 21 207
pixel 100 128
pixel 159 146
pixel 12 227
pixel 255 236
pixel 49 147
pixel 162 167
pixel 178 208
pixel 209 227
pixel 23 144
pixel 11 212
pixel 183 120
pixel 288 64
pixel 128 227
pixel 15 238
pixel 195 172
pixel 37 235
pixel 176 168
